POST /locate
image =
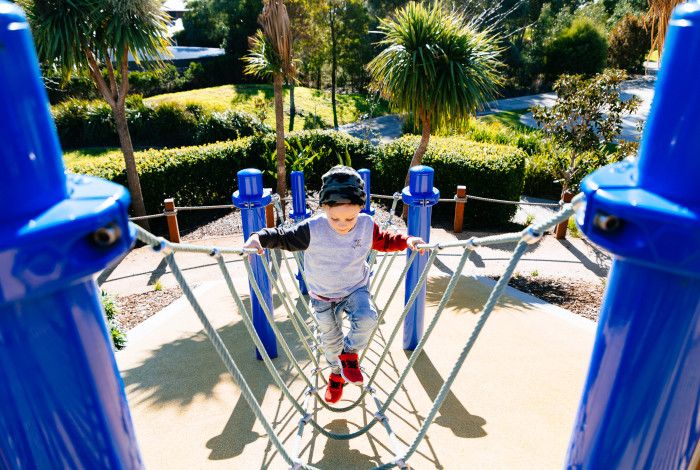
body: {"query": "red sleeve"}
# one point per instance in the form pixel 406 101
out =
pixel 388 241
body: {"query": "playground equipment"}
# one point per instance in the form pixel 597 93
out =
pixel 61 394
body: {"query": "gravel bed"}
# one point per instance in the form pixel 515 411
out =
pixel 133 309
pixel 581 297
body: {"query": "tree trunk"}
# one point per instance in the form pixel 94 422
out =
pixel 420 151
pixel 334 66
pixel 132 175
pixel 292 107
pixel 279 128
pixel 115 95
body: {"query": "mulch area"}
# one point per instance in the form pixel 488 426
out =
pixel 133 309
pixel 578 296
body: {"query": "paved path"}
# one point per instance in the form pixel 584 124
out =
pixel 511 406
pixel 387 128
pixel 643 88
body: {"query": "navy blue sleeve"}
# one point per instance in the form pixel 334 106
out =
pixel 295 238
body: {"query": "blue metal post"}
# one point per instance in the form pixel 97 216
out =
pixel 251 199
pixel 366 177
pixel 62 401
pixel 299 213
pixel 641 401
pixel 421 196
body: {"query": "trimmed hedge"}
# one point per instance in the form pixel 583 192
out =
pixel 487 170
pixel 90 124
pixel 207 174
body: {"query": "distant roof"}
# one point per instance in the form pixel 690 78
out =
pixel 175 5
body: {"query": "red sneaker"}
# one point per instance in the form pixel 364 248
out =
pixel 351 368
pixel 334 390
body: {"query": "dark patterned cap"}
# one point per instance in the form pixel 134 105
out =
pixel 342 185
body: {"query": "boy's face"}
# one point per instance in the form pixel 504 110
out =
pixel 342 218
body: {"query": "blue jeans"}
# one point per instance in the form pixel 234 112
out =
pixel 363 318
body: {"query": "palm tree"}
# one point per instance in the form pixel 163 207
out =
pixel 94 35
pixel 659 15
pixel 271 55
pixel 436 67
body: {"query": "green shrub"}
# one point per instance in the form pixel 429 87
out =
pixel 206 174
pixel 629 44
pixel 314 121
pixel 90 124
pixel 580 49
pixel 488 170
pixel 540 178
pixel 116 331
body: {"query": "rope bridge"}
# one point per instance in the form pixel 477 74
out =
pixel 306 328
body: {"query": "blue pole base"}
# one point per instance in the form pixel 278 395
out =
pixel 61 395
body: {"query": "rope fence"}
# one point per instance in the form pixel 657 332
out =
pixel 306 332
pixel 460 199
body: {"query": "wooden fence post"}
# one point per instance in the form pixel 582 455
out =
pixel 460 201
pixel 171 216
pixel 270 215
pixel 560 231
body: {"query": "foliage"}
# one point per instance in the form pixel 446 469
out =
pixel 262 60
pixel 89 124
pixel 204 25
pixel 489 170
pixel 585 123
pixel 623 8
pixel 579 49
pixel 117 333
pixel 314 121
pixel 629 44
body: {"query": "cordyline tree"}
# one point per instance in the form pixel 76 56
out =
pixel 93 35
pixel 659 15
pixel 436 67
pixel 271 55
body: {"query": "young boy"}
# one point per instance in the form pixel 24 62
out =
pixel 337 243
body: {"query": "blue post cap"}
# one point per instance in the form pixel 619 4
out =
pixel 299 209
pixel 365 174
pixel 420 190
pixel 32 177
pixel 250 190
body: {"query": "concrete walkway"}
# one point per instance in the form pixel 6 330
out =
pixel 511 406
pixel 387 128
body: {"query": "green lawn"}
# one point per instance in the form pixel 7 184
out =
pixel 510 119
pixel 308 100
pixel 92 155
